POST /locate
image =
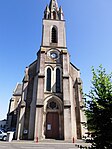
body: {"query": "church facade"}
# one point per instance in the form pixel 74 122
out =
pixel 51 100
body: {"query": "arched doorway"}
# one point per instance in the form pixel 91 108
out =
pixel 53 119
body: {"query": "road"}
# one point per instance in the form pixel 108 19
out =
pixel 23 145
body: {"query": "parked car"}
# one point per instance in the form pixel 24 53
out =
pixel 3 135
pixel 3 129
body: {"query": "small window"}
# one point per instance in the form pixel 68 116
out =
pixel 49 16
pixel 54 35
pixel 48 83
pixel 44 16
pixel 58 81
pixel 54 15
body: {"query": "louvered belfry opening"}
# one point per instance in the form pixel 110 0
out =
pixel 54 35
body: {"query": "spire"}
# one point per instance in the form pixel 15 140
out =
pixel 53 12
pixel 60 9
pixel 61 15
pixel 46 12
pixel 47 9
pixel 53 6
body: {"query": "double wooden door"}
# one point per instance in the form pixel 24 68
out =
pixel 52 125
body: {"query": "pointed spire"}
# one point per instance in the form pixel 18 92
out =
pixel 60 10
pixel 53 11
pixel 47 9
pixel 46 12
pixel 61 15
pixel 53 5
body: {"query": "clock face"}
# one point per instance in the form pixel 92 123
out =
pixel 54 55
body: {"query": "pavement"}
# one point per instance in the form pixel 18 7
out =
pixel 76 142
pixel 44 144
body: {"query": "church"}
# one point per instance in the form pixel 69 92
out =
pixel 51 98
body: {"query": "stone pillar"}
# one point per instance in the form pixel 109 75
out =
pixel 38 123
pixel 66 97
pixel 20 123
pixel 73 116
pixel 83 121
pixel 39 108
pixel 33 110
pixel 67 123
pixel 20 119
pixel 83 118
pixel 67 109
pixel 40 95
pixel 78 100
pixel 41 65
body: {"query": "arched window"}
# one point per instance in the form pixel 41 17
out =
pixel 49 16
pixel 45 16
pixel 54 35
pixel 54 15
pixel 48 81
pixel 58 81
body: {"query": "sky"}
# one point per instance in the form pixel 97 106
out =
pixel 89 39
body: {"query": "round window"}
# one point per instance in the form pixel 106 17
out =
pixel 52 105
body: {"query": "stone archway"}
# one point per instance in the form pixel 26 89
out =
pixel 53 118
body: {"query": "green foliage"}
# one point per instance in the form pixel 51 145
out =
pixel 99 109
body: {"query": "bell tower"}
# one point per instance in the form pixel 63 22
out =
pixel 53 74
pixel 53 26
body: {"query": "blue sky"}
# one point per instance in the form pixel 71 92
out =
pixel 89 39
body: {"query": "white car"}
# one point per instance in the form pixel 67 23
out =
pixel 3 135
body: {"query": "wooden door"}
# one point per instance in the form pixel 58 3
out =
pixel 52 125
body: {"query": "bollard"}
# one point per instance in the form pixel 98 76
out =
pixel 37 140
pixel 73 140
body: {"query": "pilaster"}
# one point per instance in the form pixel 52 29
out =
pixel 78 99
pixel 66 97
pixel 38 122
pixel 22 106
pixel 73 116
pixel 39 108
pixel 33 110
pixel 20 123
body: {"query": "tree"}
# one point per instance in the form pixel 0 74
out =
pixel 99 109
